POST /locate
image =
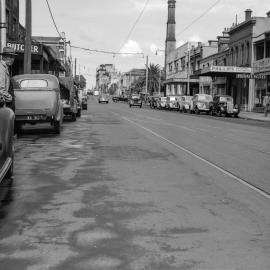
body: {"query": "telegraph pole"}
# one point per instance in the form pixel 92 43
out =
pixel 146 87
pixel 3 25
pixel 28 37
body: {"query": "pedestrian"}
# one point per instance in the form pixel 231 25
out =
pixel 266 103
pixel 8 57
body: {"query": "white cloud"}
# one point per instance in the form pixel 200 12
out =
pixel 131 47
pixel 195 38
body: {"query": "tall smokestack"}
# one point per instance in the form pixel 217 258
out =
pixel 170 44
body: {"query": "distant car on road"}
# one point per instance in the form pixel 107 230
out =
pixel 183 103
pixel 37 100
pixel 6 140
pixel 135 100
pixel 223 105
pixel 103 98
pixel 200 103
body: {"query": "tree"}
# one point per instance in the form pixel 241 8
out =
pixel 154 72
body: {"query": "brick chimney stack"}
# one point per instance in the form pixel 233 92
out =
pixel 248 14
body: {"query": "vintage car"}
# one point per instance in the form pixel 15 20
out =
pixel 183 103
pixel 135 100
pixel 201 103
pixel 161 102
pixel 37 100
pixel 68 97
pixel 171 103
pixel 6 140
pixel 103 98
pixel 223 105
pixel 153 101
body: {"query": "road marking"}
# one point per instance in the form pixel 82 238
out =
pixel 238 179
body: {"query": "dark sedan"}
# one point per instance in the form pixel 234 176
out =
pixel 224 105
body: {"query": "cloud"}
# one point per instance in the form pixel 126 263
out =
pixel 195 38
pixel 131 47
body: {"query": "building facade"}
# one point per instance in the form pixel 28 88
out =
pixel 243 70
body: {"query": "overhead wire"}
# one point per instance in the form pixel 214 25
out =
pixel 53 18
pixel 135 24
pixel 107 52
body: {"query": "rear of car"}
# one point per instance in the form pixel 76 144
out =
pixel 103 99
pixel 37 100
pixel 135 100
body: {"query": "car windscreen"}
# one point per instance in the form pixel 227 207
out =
pixel 172 98
pixel 36 83
pixel 188 98
pixel 225 99
pixel 135 97
pixel 163 98
pixel 205 98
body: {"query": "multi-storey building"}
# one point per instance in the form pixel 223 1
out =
pixel 248 46
pixel 183 65
pixel 105 75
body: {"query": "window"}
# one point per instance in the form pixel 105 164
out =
pixel 242 54
pixel 267 49
pixel 248 52
pixel 236 55
pixel 34 84
pixel 259 50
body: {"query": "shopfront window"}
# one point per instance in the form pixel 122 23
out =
pixel 260 91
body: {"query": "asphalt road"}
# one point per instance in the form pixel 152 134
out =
pixel 139 189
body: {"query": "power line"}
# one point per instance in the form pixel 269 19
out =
pixel 53 18
pixel 135 24
pixel 106 52
pixel 204 13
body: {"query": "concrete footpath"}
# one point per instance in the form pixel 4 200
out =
pixel 254 116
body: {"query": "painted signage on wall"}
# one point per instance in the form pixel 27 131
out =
pixel 227 69
pixel 262 65
pixel 19 47
pixel 251 76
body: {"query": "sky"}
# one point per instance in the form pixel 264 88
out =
pixel 106 24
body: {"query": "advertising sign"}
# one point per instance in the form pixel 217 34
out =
pixel 19 47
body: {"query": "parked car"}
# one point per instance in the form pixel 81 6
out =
pixel 223 105
pixel 68 97
pixel 183 103
pixel 135 100
pixel 115 98
pixel 153 101
pixel 161 102
pixel 37 100
pixel 103 98
pixel 200 103
pixel 84 103
pixel 6 140
pixel 171 103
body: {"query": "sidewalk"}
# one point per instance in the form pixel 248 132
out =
pixel 254 116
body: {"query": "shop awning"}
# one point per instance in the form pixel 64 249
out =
pixel 66 82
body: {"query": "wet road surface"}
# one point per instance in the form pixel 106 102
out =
pixel 110 193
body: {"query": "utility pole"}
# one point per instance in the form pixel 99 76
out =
pixel 3 25
pixel 28 37
pixel 146 87
pixel 159 82
pixel 188 73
